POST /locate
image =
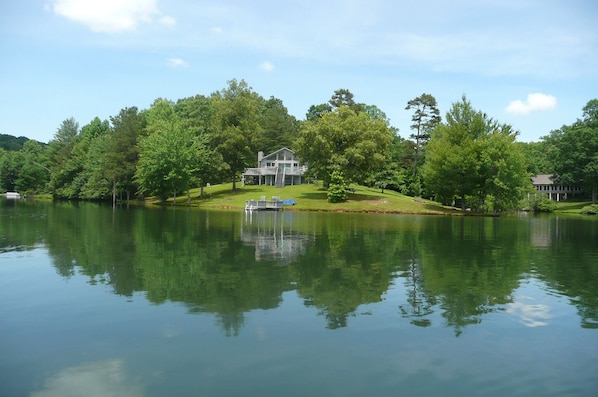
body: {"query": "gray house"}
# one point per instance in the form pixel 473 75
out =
pixel 280 168
pixel 544 183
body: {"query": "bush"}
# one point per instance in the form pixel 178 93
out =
pixel 539 202
pixel 589 210
pixel 337 191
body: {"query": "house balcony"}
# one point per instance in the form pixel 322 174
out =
pixel 294 171
pixel 260 171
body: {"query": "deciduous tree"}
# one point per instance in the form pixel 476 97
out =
pixel 471 155
pixel 63 169
pixel 576 157
pixel 196 113
pixel 236 126
pixel 168 155
pixel 345 141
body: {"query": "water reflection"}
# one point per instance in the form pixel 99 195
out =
pixel 449 272
pixel 93 379
pixel 420 304
pixel 273 236
pixel 529 314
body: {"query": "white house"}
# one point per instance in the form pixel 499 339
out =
pixel 544 183
pixel 279 169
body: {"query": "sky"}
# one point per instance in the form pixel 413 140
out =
pixel 532 64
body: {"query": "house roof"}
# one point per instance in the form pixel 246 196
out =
pixel 543 179
pixel 278 151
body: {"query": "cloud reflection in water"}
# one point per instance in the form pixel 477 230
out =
pixel 530 315
pixel 94 379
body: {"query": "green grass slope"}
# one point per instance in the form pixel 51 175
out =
pixel 311 198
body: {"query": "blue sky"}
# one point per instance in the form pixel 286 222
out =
pixel 532 64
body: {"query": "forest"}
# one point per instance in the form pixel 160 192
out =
pixel 169 148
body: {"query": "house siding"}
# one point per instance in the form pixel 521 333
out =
pixel 544 183
pixel 280 168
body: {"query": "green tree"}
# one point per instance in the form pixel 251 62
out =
pixel 504 167
pixel 337 192
pixel 123 151
pixel 376 113
pixel 10 163
pixel 279 128
pixel 12 143
pixel 60 150
pixel 236 126
pixel 538 156
pixel 98 184
pixel 79 157
pixel 344 97
pixel 196 113
pixel 340 97
pixel 209 163
pixel 471 155
pixel 386 178
pixel 391 175
pixel 33 175
pixel 168 158
pixel 345 141
pixel 68 153
pixel 316 111
pixel 425 117
pixel 576 155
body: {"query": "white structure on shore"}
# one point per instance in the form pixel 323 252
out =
pixel 280 168
pixel 544 183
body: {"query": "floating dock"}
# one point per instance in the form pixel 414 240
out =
pixel 275 204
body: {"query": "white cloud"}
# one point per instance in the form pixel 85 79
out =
pixel 177 63
pixel 109 16
pixel 167 20
pixel 267 66
pixel 534 102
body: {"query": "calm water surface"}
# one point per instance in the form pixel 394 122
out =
pixel 138 302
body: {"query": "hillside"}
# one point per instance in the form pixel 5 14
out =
pixel 312 198
pixel 12 143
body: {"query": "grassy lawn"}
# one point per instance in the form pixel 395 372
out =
pixel 571 207
pixel 313 198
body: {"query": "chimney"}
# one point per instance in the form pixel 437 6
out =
pixel 260 156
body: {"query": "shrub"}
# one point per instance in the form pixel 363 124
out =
pixel 589 210
pixel 539 202
pixel 337 191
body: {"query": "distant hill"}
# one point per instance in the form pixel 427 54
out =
pixel 12 143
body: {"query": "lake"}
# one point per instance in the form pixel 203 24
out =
pixel 96 301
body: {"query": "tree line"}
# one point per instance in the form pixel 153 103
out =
pixel 171 147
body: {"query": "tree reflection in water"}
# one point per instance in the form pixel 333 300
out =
pixel 453 269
